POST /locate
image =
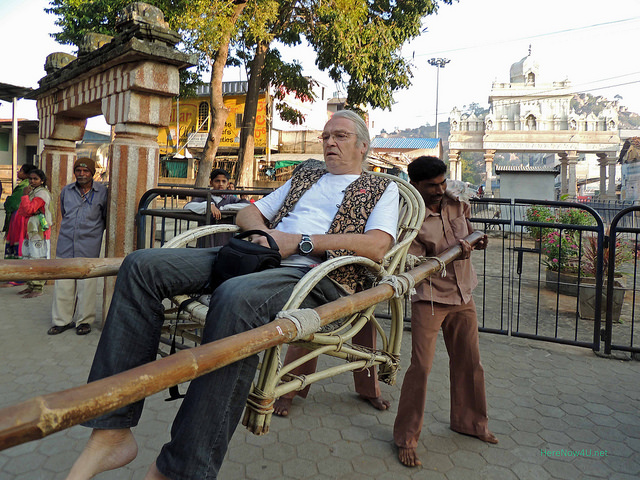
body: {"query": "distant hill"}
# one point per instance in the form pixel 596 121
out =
pixel 587 103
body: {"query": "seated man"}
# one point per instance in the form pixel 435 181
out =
pixel 308 218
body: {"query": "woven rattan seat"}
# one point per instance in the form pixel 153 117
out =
pixel 274 379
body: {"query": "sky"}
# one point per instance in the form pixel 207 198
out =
pixel 591 43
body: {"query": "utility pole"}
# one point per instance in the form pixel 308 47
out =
pixel 438 63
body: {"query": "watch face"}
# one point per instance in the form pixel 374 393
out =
pixel 305 246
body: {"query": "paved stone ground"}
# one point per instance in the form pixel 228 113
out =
pixel 545 401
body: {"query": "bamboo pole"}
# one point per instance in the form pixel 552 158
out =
pixel 43 415
pixel 59 268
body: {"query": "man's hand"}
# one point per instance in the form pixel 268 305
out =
pixel 466 249
pixel 287 242
pixel 482 243
pixel 217 214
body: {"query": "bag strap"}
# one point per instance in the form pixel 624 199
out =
pixel 248 233
pixel 174 391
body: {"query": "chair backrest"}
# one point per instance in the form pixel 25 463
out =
pixel 410 218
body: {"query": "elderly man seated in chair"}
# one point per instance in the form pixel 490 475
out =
pixel 315 215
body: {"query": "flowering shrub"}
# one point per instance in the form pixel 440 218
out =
pixel 561 250
pixel 566 216
pixel 537 213
pixel 574 216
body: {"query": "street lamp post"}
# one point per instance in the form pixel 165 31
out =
pixel 438 63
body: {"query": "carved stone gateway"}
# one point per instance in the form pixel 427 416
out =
pixel 528 117
pixel 131 80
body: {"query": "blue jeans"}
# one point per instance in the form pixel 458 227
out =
pixel 214 402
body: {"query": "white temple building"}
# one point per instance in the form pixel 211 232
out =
pixel 527 116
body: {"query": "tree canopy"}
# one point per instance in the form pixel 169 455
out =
pixel 358 42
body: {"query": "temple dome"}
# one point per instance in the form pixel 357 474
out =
pixel 525 71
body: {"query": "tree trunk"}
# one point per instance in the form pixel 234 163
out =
pixel 220 112
pixel 247 138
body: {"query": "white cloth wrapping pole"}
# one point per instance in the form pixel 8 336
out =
pixel 401 284
pixel 306 320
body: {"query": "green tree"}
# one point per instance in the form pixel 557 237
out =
pixel 207 27
pixel 357 41
pixel 472 167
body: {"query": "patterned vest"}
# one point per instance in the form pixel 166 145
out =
pixel 360 197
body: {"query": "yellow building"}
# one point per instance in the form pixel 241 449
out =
pixel 192 119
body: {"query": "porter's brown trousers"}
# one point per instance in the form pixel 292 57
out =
pixel 468 401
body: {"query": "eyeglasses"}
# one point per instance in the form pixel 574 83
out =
pixel 338 136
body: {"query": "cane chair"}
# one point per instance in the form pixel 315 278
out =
pixel 274 379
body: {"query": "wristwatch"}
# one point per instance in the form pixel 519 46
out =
pixel 305 247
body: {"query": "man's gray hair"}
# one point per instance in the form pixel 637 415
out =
pixel 362 131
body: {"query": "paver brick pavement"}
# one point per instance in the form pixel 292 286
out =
pixel 560 412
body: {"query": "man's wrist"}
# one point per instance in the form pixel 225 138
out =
pixel 305 247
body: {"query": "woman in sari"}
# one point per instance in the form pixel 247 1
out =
pixel 35 208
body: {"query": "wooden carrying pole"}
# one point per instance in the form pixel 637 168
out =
pixel 47 414
pixel 58 268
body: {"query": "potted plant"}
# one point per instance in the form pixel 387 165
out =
pixel 587 290
pixel 561 259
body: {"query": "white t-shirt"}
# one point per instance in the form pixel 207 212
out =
pixel 317 208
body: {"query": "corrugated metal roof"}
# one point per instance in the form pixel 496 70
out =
pixel 526 169
pixel 8 92
pixel 405 143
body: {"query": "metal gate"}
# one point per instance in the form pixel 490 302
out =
pixel 542 259
pixel 521 291
pixel 621 332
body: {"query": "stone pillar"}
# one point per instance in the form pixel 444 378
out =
pixel 488 166
pixel 134 161
pixel 563 173
pixel 572 186
pixel 454 164
pixel 602 161
pixel 134 155
pixel 60 135
pixel 611 191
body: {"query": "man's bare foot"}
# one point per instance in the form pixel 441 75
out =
pixel 154 474
pixel 488 437
pixel 378 403
pixel 408 457
pixel 485 437
pixel 105 450
pixel 282 406
pixel 33 294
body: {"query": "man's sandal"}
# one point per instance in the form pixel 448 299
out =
pixel 83 329
pixel 57 329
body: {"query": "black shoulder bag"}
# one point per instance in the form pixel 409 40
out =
pixel 240 257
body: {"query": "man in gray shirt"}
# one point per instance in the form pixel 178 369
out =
pixel 83 205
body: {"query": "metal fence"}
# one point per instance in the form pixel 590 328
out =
pixel 543 276
pixel 622 333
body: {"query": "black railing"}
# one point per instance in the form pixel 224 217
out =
pixel 173 218
pixel 515 295
pixel 624 229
